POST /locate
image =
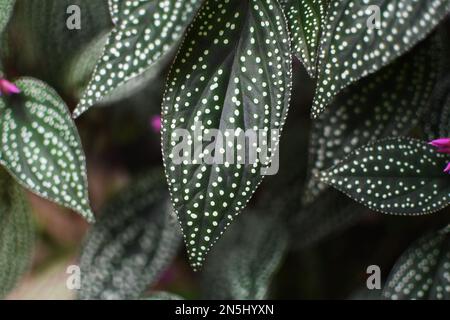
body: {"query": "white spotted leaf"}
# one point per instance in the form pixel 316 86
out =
pixel 422 272
pixel 437 122
pixel 145 31
pixel 388 103
pixel 397 176
pixel 16 233
pixel 162 295
pixel 228 77
pixel 305 19
pixel 6 8
pixel 40 146
pixel 134 240
pixel 350 49
pixel 243 263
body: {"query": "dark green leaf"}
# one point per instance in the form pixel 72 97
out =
pixel 6 8
pixel 162 296
pixel 243 263
pixel 351 50
pixel 145 31
pixel 16 233
pixel 132 243
pixel 305 19
pixel 234 75
pixel 437 122
pixel 423 271
pixel 388 103
pixel 40 146
pixel 396 176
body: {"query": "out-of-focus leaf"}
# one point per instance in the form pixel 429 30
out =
pixel 6 8
pixel 305 19
pixel 423 271
pixel 242 264
pixel 234 75
pixel 145 31
pixel 40 146
pixel 132 243
pixel 389 103
pixel 396 176
pixel 16 233
pixel 437 122
pixel 162 296
pixel 351 47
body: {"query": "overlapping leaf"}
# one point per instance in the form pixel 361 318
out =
pixel 305 19
pixel 388 103
pixel 423 271
pixel 233 72
pixel 16 233
pixel 397 176
pixel 352 47
pixel 242 264
pixel 437 122
pixel 145 30
pixel 40 146
pixel 131 244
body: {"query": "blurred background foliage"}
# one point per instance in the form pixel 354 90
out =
pixel 331 242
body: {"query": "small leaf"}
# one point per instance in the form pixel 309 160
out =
pixel 231 76
pixel 132 243
pixel 422 272
pixel 243 263
pixel 16 233
pixel 145 31
pixel 350 50
pixel 6 8
pixel 305 19
pixel 388 103
pixel 40 146
pixel 396 176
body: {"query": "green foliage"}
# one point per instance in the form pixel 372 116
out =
pixel 366 111
pixel 132 243
pixel 162 296
pixel 235 77
pixel 350 50
pixel 397 176
pixel 144 32
pixel 422 272
pixel 437 123
pixel 6 7
pixel 41 148
pixel 16 233
pixel 242 264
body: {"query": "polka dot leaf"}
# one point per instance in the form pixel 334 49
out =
pixel 133 242
pixel 16 233
pixel 423 271
pixel 354 46
pixel 305 19
pixel 145 31
pixel 386 104
pixel 40 146
pixel 6 8
pixel 396 176
pixel 232 74
pixel 243 263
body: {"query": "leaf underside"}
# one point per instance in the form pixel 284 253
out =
pixel 242 264
pixel 422 272
pixel 16 233
pixel 145 31
pixel 396 176
pixel 350 50
pixel 41 148
pixel 388 103
pixel 234 75
pixel 132 243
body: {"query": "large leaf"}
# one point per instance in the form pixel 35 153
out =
pixel 234 75
pixel 132 243
pixel 6 8
pixel 397 176
pixel 145 31
pixel 16 233
pixel 437 122
pixel 388 103
pixel 40 146
pixel 305 19
pixel 351 50
pixel 242 264
pixel 422 272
